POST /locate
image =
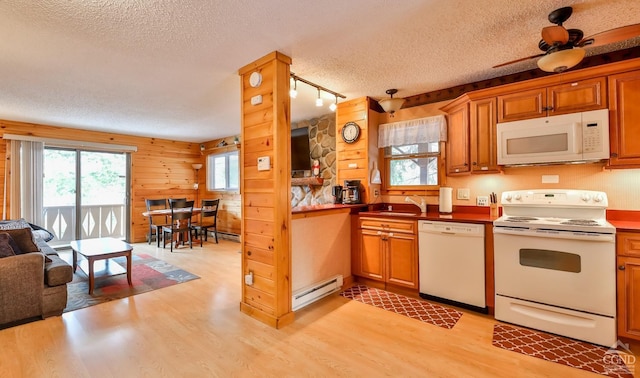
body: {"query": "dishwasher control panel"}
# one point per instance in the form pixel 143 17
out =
pixel 450 227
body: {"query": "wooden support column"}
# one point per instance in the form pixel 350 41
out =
pixel 266 206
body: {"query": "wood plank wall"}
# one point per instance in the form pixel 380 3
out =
pixel 353 159
pixel 160 168
pixel 266 221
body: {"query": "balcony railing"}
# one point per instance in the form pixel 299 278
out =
pixel 97 221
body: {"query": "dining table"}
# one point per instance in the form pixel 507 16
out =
pixel 167 212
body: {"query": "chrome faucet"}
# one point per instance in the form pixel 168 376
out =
pixel 422 205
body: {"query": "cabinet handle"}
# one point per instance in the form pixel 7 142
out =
pixel 621 267
pixel 390 234
pixel 465 164
pixel 474 163
pixel 613 154
pixel 379 232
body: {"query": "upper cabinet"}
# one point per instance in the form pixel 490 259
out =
pixel 570 97
pixel 624 119
pixel 483 136
pixel 471 140
pixel 457 148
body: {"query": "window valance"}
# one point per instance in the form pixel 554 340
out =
pixel 421 130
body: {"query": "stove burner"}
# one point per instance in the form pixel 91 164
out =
pixel 520 219
pixel 581 222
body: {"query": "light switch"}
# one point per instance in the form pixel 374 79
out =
pixel 264 163
pixel 256 100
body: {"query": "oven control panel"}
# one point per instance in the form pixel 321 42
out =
pixel 572 198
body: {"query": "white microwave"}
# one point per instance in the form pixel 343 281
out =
pixel 576 137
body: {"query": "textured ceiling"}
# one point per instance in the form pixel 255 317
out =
pixel 168 68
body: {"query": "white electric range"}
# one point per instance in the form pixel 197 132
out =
pixel 555 268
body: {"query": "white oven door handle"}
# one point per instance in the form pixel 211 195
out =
pixel 575 235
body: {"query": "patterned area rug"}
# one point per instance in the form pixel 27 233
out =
pixel 147 274
pixel 413 308
pixel 562 350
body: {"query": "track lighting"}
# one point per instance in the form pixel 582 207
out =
pixel 334 106
pixel 293 92
pixel 318 100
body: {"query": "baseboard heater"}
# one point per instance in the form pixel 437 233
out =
pixel 316 291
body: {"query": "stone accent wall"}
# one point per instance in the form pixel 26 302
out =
pixel 322 143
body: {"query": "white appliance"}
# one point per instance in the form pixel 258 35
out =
pixel 451 263
pixel 555 263
pixel 573 137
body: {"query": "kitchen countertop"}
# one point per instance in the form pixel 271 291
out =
pixel 470 217
pixel 328 206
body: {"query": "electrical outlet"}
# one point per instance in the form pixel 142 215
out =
pixel 482 201
pixel 376 192
pixel 464 194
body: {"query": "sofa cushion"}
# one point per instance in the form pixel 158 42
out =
pixel 57 272
pixel 23 238
pixel 6 247
pixel 14 224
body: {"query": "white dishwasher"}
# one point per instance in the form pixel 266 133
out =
pixel 451 263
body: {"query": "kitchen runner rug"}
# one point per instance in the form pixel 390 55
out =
pixel 413 308
pixel 147 274
pixel 562 350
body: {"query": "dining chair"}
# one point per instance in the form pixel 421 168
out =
pixel 155 226
pixel 208 220
pixel 181 213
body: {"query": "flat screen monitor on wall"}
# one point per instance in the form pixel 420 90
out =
pixel 300 153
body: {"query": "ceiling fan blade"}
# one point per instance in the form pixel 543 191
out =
pixel 518 60
pixel 555 35
pixel 612 36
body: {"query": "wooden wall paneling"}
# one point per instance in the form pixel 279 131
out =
pixel 159 169
pixel 356 110
pixel 266 207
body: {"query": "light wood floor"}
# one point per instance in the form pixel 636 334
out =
pixel 195 329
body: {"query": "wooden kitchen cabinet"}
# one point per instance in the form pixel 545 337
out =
pixel 628 281
pixel 570 97
pixel 457 148
pixel 388 252
pixel 624 120
pixel 484 153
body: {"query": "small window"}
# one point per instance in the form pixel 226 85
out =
pixel 412 165
pixel 223 171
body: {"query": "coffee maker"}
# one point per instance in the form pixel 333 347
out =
pixel 351 192
pixel 337 193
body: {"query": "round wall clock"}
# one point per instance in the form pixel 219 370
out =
pixel 350 132
pixel 255 79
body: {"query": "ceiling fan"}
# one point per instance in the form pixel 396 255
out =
pixel 564 48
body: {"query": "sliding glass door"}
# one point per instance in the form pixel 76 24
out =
pixel 85 194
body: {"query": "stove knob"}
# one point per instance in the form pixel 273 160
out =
pixel 598 198
pixel 585 197
pixel 517 197
pixel 507 197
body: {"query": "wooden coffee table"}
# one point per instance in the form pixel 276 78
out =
pixel 101 249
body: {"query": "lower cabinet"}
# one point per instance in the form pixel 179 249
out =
pixel 628 261
pixel 388 252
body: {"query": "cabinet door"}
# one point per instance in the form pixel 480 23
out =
pixel 577 96
pixel 458 140
pixel 402 260
pixel 629 297
pixel 624 119
pixel 522 105
pixel 484 155
pixel 371 256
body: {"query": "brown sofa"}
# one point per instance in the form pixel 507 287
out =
pixel 31 286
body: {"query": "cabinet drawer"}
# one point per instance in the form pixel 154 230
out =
pixel 628 244
pixel 388 224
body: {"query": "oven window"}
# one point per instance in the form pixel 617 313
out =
pixel 546 259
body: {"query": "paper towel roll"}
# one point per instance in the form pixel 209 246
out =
pixel 445 200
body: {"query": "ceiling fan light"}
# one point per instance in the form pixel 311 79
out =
pixel 561 60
